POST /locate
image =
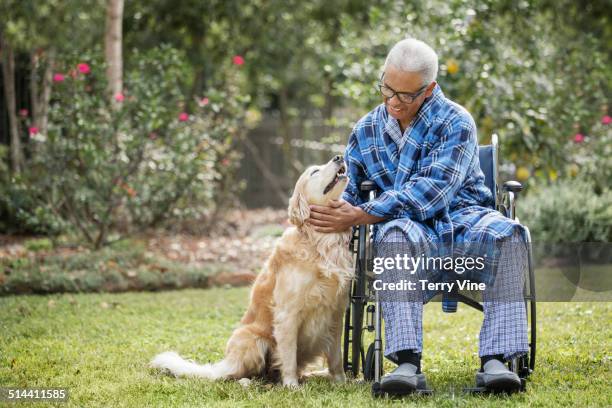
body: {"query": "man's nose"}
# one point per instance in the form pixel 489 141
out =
pixel 338 159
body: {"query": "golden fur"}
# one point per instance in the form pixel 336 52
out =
pixel 297 301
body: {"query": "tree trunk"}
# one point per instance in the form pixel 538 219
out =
pixel 40 90
pixel 113 48
pixel 43 103
pixel 34 105
pixel 8 73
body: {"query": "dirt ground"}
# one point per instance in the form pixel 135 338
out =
pixel 242 241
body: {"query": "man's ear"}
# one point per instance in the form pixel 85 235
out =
pixel 430 88
pixel 298 208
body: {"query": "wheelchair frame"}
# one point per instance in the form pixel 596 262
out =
pixel 364 300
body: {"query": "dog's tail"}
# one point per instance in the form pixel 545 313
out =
pixel 180 367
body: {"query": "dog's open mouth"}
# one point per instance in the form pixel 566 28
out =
pixel 340 175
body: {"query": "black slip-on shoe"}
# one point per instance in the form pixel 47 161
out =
pixel 403 380
pixel 496 377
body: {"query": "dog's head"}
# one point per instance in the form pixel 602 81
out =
pixel 318 185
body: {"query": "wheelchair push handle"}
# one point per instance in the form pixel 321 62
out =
pixel 513 186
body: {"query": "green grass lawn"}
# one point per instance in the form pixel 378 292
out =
pixel 98 346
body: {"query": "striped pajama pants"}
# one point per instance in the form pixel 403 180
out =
pixel 504 328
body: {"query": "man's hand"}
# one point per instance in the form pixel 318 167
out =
pixel 338 217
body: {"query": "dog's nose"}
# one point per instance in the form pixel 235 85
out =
pixel 338 159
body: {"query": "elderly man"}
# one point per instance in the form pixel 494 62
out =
pixel 421 150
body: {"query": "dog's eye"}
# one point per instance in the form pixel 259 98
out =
pixel 312 174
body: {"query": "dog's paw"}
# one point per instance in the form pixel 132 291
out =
pixel 291 383
pixel 339 378
pixel 245 382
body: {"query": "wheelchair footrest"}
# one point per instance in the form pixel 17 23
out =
pixel 484 390
pixel 377 392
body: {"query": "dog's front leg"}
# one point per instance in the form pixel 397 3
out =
pixel 286 332
pixel 334 353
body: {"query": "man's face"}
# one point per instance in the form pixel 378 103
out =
pixel 408 82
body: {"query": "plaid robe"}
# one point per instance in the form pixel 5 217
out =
pixel 429 179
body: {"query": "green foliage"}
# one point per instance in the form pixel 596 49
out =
pixel 39 244
pixel 535 72
pixel 20 209
pixel 568 211
pixel 106 165
pixel 52 24
pixel 590 158
pixel 116 268
pixel 523 69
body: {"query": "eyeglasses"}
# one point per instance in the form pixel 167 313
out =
pixel 405 97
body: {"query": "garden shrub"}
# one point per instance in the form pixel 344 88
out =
pixel 567 211
pixel 114 167
pixel 105 270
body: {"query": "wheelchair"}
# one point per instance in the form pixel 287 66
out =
pixel 364 312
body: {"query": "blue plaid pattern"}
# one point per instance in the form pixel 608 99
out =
pixel 432 190
pixel 429 179
pixel 504 327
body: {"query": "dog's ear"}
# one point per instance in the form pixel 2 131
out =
pixel 298 208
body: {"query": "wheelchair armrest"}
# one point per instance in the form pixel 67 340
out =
pixel 513 186
pixel 367 185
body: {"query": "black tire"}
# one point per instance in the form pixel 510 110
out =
pixel 347 336
pixel 376 391
pixel 530 361
pixel 524 370
pixel 357 329
pixel 353 329
pixel 368 364
pixel 357 302
pixel 533 336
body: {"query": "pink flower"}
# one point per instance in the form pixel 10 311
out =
pixel 33 130
pixel 152 135
pixel 578 138
pixel 58 77
pixel 204 101
pixel 23 113
pixel 225 162
pixel 183 116
pixel 119 97
pixel 606 120
pixel 238 60
pixel 84 68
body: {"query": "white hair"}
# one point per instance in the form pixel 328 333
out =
pixel 412 55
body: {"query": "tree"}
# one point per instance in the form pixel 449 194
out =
pixel 45 31
pixel 8 73
pixel 113 44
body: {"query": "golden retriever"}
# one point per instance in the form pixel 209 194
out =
pixel 297 301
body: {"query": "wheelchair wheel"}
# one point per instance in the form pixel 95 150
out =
pixel 357 309
pixel 524 370
pixel 353 321
pixel 353 329
pixel 368 364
